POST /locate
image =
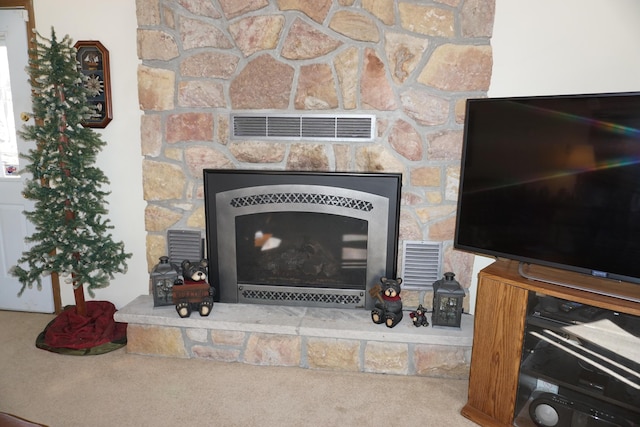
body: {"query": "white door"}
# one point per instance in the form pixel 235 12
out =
pixel 15 97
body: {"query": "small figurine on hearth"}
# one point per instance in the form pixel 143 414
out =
pixel 193 291
pixel 419 317
pixel 388 308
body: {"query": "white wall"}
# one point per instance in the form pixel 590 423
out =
pixel 548 47
pixel 114 24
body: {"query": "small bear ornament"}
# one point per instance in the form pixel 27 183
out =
pixel 388 308
pixel 193 292
pixel 419 317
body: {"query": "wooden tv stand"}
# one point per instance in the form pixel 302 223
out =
pixel 500 318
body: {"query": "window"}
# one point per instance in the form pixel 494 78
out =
pixel 8 144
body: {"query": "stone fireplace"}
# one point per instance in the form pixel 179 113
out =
pixel 300 238
pixel 411 64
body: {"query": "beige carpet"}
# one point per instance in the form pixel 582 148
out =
pixel 120 389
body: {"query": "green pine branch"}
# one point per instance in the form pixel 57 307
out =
pixel 71 236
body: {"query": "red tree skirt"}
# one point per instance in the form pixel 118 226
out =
pixel 94 333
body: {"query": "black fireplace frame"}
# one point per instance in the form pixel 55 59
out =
pixel 219 182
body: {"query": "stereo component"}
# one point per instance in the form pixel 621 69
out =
pixel 552 410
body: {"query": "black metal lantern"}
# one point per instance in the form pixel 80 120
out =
pixel 163 276
pixel 447 301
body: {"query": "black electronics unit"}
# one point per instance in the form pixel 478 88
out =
pixel 568 378
pixel 568 409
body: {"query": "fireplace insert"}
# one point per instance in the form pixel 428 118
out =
pixel 300 238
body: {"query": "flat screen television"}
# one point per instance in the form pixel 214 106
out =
pixel 554 181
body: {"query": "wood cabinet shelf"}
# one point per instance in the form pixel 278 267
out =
pixel 500 320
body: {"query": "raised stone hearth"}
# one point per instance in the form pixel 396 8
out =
pixel 314 338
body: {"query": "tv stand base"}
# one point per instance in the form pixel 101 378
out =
pixel 500 320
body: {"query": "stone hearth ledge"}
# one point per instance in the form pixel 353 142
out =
pixel 300 332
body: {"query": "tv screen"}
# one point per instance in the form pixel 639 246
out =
pixel 555 181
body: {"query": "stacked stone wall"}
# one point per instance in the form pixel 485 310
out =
pixel 411 63
pixel 332 354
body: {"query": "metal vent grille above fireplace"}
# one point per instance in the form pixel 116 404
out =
pixel 300 127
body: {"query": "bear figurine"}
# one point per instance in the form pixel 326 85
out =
pixel 388 308
pixel 419 317
pixel 193 292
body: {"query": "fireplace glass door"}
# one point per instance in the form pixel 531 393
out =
pixel 302 249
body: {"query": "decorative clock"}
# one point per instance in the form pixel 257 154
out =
pixel 93 60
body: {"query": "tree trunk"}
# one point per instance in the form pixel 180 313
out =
pixel 81 306
pixel 78 292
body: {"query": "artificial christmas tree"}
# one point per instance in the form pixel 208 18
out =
pixel 72 238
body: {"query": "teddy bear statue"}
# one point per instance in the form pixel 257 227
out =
pixel 388 308
pixel 193 291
